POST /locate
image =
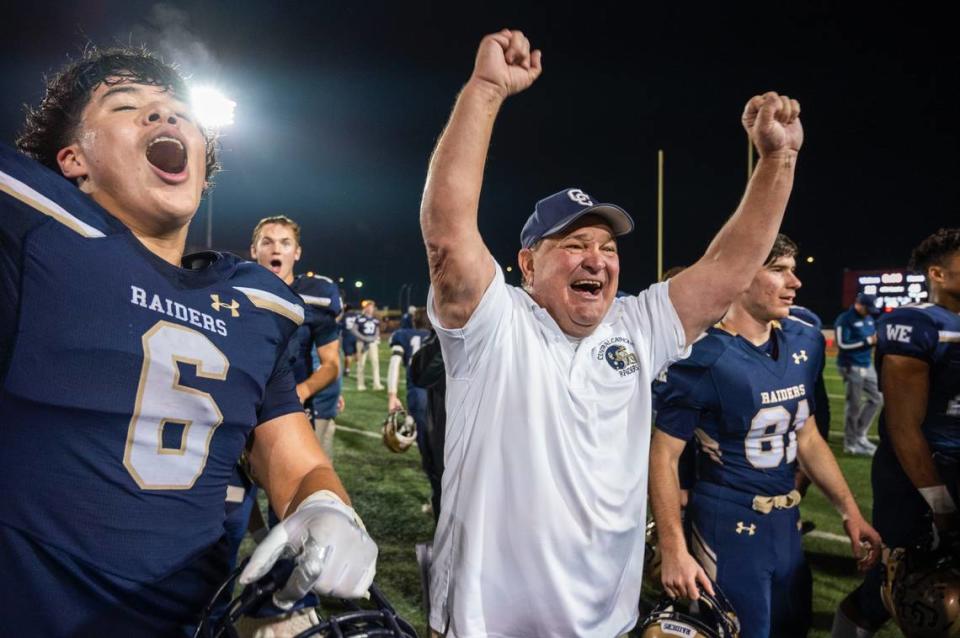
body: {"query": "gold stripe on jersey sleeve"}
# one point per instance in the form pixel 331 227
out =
pixel 20 191
pixel 273 303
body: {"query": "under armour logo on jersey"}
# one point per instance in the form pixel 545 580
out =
pixel 233 306
pixel 797 358
pixel 580 197
pixel 750 529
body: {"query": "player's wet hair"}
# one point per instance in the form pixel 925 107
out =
pixel 283 220
pixel 935 249
pixel 783 246
pixel 53 124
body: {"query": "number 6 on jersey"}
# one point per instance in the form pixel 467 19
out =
pixel 162 401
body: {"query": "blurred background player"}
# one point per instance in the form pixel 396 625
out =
pixel 167 367
pixel 914 472
pixel 746 394
pixel 404 343
pixel 406 320
pixel 366 329
pixel 276 246
pixel 348 338
pixel 856 336
pixel 427 371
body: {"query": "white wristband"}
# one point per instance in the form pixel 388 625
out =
pixel 938 498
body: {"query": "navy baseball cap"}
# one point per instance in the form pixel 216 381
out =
pixel 554 213
pixel 869 302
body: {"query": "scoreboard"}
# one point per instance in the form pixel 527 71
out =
pixel 894 287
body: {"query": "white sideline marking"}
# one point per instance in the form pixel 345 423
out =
pixel 872 439
pixel 828 536
pixel 345 428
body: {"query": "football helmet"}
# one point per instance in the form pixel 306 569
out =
pixel 921 589
pixel 708 617
pixel 399 431
pixel 376 618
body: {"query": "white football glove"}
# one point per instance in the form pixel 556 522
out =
pixel 334 555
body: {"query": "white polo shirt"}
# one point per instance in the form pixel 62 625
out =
pixel 542 518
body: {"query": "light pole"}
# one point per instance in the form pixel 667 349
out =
pixel 214 111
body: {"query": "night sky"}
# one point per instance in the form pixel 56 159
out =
pixel 340 103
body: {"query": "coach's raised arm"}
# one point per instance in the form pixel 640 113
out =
pixel 702 293
pixel 461 267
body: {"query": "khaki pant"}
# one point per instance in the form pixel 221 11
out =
pixel 371 351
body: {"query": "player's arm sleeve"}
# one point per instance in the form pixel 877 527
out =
pixel 325 331
pixel 910 333
pixel 465 348
pixel 848 338
pixel 821 408
pixel 280 394
pixel 355 331
pixel 678 401
pixel 656 328
pixel 16 222
pixel 393 370
pixel 817 358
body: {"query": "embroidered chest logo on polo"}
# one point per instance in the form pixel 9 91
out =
pixel 619 355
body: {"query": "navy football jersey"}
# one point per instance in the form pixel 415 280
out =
pixel 321 299
pixel 368 326
pixel 743 405
pixel 805 314
pixel 349 320
pixel 128 385
pixel 406 342
pixel 931 333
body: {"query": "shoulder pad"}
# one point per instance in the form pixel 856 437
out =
pixel 800 313
pixel 796 326
pixel 709 347
pixel 319 292
pixel 266 290
pixel 27 181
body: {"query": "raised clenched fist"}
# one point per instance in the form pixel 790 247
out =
pixel 773 123
pixel 506 63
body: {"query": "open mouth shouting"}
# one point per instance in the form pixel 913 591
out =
pixel 588 288
pixel 167 156
pixel 276 265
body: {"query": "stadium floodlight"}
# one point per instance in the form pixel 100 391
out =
pixel 213 111
pixel 810 259
pixel 358 284
pixel 212 108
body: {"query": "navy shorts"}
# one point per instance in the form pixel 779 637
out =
pixel 349 345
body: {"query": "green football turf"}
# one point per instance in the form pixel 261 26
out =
pixel 389 490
